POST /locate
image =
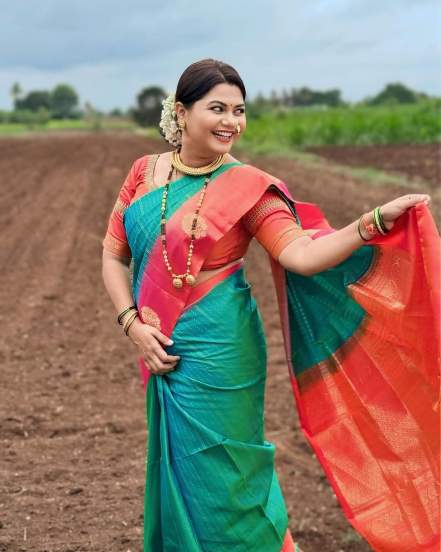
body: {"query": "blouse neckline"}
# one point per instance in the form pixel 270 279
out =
pixel 150 168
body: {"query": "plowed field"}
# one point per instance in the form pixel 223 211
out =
pixel 72 425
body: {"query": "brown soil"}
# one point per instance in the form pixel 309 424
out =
pixel 415 161
pixel 72 425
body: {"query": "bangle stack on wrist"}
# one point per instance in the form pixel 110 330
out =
pixel 375 228
pixel 127 317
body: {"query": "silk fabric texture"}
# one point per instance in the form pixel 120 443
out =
pixel 364 375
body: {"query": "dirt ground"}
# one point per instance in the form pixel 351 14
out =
pixel 72 424
pixel 415 161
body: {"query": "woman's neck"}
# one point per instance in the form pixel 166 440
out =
pixel 195 159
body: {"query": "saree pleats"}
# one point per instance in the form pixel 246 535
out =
pixel 210 471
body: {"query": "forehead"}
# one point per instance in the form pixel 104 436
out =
pixel 225 92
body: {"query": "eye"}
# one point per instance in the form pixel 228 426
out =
pixel 240 109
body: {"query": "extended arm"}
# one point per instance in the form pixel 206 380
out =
pixel 274 226
pixel 308 257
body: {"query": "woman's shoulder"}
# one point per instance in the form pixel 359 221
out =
pixel 256 172
pixel 140 163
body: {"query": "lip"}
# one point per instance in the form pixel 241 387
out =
pixel 226 138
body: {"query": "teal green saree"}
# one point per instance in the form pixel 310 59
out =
pixel 211 485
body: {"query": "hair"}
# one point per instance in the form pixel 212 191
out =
pixel 200 77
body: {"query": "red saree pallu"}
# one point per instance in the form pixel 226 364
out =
pixel 362 348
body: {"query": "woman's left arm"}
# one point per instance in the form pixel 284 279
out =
pixel 307 256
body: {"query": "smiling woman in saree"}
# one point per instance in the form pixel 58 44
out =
pixel 353 305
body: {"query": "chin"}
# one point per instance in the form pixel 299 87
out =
pixel 220 148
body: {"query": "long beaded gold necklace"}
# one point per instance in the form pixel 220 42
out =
pixel 176 162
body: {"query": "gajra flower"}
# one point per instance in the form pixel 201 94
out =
pixel 168 123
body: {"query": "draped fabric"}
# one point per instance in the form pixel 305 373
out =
pixel 362 347
pixel 362 344
pixel 211 484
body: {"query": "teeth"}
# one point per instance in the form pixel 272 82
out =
pixel 226 134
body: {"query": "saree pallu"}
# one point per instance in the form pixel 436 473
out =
pixel 364 376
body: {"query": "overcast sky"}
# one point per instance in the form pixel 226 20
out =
pixel 109 50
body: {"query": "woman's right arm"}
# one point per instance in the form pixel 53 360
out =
pixel 149 340
pixel 116 277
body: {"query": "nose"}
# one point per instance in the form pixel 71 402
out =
pixel 228 120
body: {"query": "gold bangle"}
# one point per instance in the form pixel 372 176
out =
pixel 359 231
pixel 370 228
pixel 129 321
pixel 128 315
pixel 127 326
pixel 124 312
pixel 126 331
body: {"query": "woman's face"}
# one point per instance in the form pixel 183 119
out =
pixel 221 109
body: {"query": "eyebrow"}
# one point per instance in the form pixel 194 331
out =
pixel 224 104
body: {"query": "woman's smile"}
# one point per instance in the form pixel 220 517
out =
pixel 223 136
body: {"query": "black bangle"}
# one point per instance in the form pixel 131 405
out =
pixel 358 228
pixel 125 311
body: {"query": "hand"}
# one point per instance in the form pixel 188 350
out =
pixel 392 210
pixel 150 342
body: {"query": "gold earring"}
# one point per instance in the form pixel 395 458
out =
pixel 181 124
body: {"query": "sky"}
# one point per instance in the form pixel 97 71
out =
pixel 109 50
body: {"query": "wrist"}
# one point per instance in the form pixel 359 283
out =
pixel 133 328
pixel 365 226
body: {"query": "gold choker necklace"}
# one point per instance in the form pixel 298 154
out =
pixel 196 171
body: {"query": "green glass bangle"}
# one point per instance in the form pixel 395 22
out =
pixel 381 221
pixel 377 221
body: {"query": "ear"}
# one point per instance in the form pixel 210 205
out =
pixel 180 110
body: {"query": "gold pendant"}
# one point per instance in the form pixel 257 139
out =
pixel 177 282
pixel 190 279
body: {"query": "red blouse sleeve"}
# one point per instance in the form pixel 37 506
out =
pixel 115 239
pixel 272 223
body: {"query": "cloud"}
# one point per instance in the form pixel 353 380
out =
pixel 109 50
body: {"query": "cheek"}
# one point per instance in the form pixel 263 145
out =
pixel 206 123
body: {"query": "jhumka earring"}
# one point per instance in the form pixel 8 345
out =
pixel 181 124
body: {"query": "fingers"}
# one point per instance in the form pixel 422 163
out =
pixel 161 362
pixel 162 355
pixel 161 337
pixel 413 199
pixel 152 350
pixel 158 367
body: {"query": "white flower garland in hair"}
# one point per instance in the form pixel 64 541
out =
pixel 168 121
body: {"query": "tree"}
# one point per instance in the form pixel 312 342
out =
pixel 16 92
pixel 64 101
pixel 394 93
pixel 34 101
pixel 149 106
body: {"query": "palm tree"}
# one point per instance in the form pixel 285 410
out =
pixel 16 92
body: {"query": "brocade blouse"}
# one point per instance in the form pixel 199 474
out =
pixel 270 221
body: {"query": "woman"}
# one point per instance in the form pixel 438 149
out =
pixel 349 319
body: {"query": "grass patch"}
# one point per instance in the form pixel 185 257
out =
pixel 56 125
